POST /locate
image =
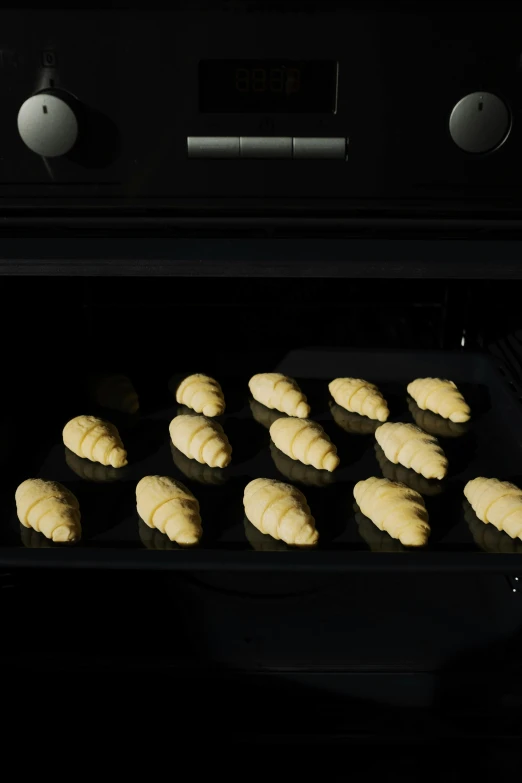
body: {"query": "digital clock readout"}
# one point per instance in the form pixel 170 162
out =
pixel 267 86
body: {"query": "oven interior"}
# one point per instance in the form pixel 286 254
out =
pixel 339 646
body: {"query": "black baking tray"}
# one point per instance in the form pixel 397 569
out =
pixel 114 537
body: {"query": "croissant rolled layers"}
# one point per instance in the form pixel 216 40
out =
pixel 359 396
pixel 412 447
pixel 49 508
pixel 280 392
pixel 281 511
pixel 202 439
pixel 95 439
pixel 201 393
pixel 394 508
pixel 440 396
pixel 498 503
pixel 168 506
pixel 306 441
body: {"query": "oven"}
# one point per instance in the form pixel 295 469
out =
pixel 316 189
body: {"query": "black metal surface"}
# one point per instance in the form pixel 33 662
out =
pixel 111 537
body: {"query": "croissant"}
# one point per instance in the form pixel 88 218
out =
pixel 395 508
pixel 281 511
pixel 264 415
pixel 377 540
pixel 201 393
pixel 201 439
pixel 153 539
pixel 359 396
pixel 488 537
pixel 296 471
pixel 423 486
pixel 306 441
pixel 496 502
pixel 92 471
pixel 168 506
pixel 195 471
pixel 440 396
pixel 435 424
pixel 413 448
pixel 352 423
pixel 95 439
pixel 116 392
pixel 260 541
pixel 277 391
pixel 49 508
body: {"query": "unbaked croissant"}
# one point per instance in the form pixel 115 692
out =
pixel 201 393
pixel 92 471
pixel 488 537
pixel 395 508
pixel 440 396
pixel 423 486
pixel 116 392
pixel 95 439
pixel 352 423
pixel 435 424
pixel 195 471
pixel 280 510
pixel 296 471
pixel 359 396
pixel 377 540
pixel 264 415
pixel 168 506
pixel 498 503
pixel 306 441
pixel 201 439
pixel 154 539
pixel 49 508
pixel 277 391
pixel 413 448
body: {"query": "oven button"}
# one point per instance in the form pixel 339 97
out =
pixel 480 122
pixel 320 148
pixel 213 146
pixel 48 124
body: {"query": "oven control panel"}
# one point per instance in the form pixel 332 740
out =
pixel 218 105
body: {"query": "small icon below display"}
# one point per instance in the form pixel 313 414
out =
pixel 49 59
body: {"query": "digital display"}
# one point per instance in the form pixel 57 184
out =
pixel 267 86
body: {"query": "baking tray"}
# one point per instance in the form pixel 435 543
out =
pixel 114 537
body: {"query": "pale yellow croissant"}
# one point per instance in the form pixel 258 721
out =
pixel 423 486
pixel 359 396
pixel 277 391
pixel 116 392
pixel 440 396
pixel 352 423
pixel 296 471
pixel 49 508
pixel 201 393
pixel 488 537
pixel 395 508
pixel 498 503
pixel 195 471
pixel 201 439
pixel 168 506
pixel 306 441
pixel 93 471
pixel 95 439
pixel 377 540
pixel 413 448
pixel 280 510
pixel 264 415
pixel 436 424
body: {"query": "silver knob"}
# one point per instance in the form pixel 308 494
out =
pixel 48 125
pixel 480 122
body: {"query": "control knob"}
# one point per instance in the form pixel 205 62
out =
pixel 48 123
